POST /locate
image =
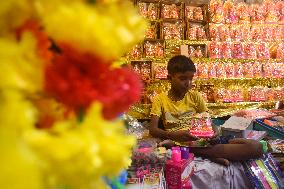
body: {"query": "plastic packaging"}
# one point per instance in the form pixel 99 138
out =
pixel 230 12
pixel 172 29
pixel 176 155
pixel 201 126
pixel 212 70
pixel 149 10
pixel 248 72
pixel 216 11
pixel 220 70
pixel 263 51
pixel 184 152
pixel 224 31
pixel 196 32
pixel 215 50
pixel 243 13
pixel 229 68
pixel 226 49
pixel 264 173
pixel 214 32
pixel 153 49
pixel 161 72
pixel 280 51
pixel 202 70
pixel 136 52
pixel 256 33
pixel 237 50
pixel 239 72
pixel 151 32
pixel 257 69
pixel 236 33
pixel 250 50
pixel 171 11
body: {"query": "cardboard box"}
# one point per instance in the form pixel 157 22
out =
pixel 237 126
pixel 178 173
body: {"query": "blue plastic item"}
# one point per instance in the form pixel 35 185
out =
pixel 271 131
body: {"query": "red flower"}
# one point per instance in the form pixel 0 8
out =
pixel 77 79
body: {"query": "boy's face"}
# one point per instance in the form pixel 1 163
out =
pixel 182 81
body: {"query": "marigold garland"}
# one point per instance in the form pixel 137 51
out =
pixel 74 80
pixel 43 144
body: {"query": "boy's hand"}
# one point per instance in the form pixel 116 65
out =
pixel 181 136
pixel 166 143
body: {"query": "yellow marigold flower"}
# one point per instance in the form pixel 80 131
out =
pixel 20 66
pixel 19 168
pixel 108 31
pixel 91 149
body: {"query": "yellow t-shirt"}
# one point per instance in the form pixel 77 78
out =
pixel 177 113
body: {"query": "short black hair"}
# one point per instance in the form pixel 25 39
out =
pixel 180 64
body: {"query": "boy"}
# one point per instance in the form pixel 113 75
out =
pixel 179 103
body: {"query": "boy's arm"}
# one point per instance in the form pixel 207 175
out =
pixel 155 130
pixel 201 104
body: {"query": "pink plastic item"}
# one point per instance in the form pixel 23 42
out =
pixel 201 127
pixel 178 173
pixel 176 155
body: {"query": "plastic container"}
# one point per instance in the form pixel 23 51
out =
pixel 273 132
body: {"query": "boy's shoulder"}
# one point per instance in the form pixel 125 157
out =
pixel 161 95
pixel 193 93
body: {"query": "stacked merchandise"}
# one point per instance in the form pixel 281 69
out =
pixel 264 173
pixel 236 47
pixel 147 167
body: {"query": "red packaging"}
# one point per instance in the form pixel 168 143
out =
pixel 214 32
pixel 246 32
pixel 215 50
pixel 220 72
pixel 230 72
pixel 243 13
pixel 237 95
pixel 257 69
pixel 178 173
pixel 201 127
pixel 239 71
pixel 202 70
pixel 267 33
pixel 226 49
pixel 250 51
pixel 237 50
pixel 256 33
pixel 236 33
pixel 230 13
pixel 263 51
pixel 280 51
pixel 267 69
pixel 224 32
pixel 247 68
pixel 212 70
